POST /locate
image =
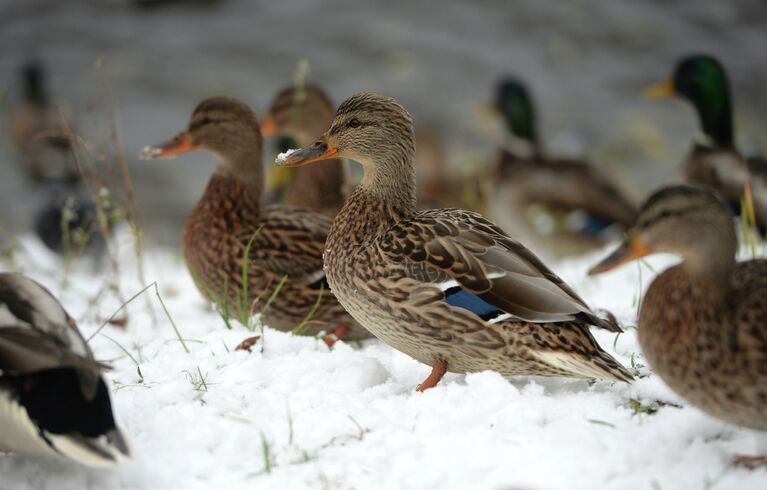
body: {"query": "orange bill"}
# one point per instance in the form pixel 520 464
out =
pixel 659 90
pixel 320 150
pixel 631 249
pixel 180 144
pixel 268 126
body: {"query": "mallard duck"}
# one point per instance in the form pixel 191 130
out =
pixel 301 113
pixel 53 399
pixel 702 322
pixel 552 200
pixel 715 162
pixel 445 286
pixel 281 240
pixel 41 141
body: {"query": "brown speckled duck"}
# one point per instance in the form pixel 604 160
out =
pixel 285 241
pixel 554 202
pixel 445 286
pixel 301 113
pixel 703 323
pixel 715 162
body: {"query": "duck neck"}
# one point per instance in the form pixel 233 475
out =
pixel 715 113
pixel 711 265
pixel 237 183
pixel 391 182
pixel 386 195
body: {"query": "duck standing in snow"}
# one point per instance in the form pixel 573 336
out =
pixel 715 162
pixel 703 323
pixel 53 399
pixel 445 286
pixel 229 227
pixel 301 113
pixel 558 202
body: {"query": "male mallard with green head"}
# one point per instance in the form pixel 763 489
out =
pixel 585 207
pixel 715 162
pixel 445 286
pixel 282 241
pixel 702 324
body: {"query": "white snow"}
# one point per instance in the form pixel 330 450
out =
pixel 283 157
pixel 350 418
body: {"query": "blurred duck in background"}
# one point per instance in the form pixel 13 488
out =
pixel 53 399
pixel 702 322
pixel 715 162
pixel 242 253
pixel 438 185
pixel 66 221
pixel 41 140
pixel 559 205
pixel 299 114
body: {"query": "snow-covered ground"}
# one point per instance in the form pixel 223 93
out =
pixel 294 414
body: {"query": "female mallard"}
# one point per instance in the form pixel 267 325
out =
pixel 715 163
pixel 702 322
pixel 53 399
pixel 582 206
pixel 301 113
pixel 445 286
pixel 281 241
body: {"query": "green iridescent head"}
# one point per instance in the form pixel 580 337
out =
pixel 514 104
pixel 703 81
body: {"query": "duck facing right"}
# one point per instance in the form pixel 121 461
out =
pixel 703 322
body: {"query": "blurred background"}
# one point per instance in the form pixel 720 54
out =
pixel 129 73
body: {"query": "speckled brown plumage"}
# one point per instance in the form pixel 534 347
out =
pixel 286 240
pixel 393 267
pixel 702 322
pixel 302 113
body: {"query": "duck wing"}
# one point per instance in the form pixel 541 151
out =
pixel 290 241
pixel 465 259
pixel 37 334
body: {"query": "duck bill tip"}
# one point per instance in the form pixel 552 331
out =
pixel 303 156
pixel 660 90
pixel 631 249
pixel 178 145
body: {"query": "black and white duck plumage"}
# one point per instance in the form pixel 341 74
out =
pixel 53 399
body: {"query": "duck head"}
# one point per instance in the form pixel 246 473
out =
pixel 684 220
pixel 702 80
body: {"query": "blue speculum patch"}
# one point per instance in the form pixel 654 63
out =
pixel 460 298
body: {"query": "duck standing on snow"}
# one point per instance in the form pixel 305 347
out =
pixel 53 399
pixel 703 323
pixel 715 162
pixel 583 206
pixel 301 113
pixel 445 286
pixel 229 220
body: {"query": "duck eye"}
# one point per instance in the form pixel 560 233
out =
pixel 354 123
pixel 205 120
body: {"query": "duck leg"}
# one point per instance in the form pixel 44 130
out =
pixel 750 462
pixel 338 334
pixel 438 370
